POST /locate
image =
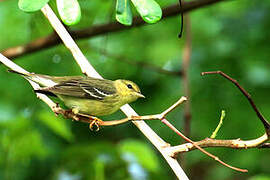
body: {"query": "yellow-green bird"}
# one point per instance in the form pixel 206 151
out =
pixel 87 95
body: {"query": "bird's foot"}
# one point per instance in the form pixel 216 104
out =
pixel 95 123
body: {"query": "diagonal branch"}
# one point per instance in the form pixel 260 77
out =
pixel 53 39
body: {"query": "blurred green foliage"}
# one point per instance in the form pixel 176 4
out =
pixel 230 36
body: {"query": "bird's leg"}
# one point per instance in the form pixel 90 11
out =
pixel 95 122
pixel 75 110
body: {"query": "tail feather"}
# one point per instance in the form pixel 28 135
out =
pixel 42 80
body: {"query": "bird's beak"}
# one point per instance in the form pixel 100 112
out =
pixel 140 95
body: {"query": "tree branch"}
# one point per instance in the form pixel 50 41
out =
pixel 208 142
pixel 53 39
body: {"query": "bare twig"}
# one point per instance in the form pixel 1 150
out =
pixel 201 149
pixel 208 142
pixel 160 116
pixel 52 40
pixel 247 95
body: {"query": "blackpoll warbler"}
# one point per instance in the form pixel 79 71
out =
pixel 86 95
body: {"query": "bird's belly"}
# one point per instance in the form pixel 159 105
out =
pixel 90 107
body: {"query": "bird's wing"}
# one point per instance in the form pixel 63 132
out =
pixel 96 89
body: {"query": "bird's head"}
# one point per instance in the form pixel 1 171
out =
pixel 128 90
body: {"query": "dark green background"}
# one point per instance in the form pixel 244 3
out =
pixel 230 36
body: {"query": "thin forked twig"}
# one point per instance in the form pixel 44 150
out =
pixel 247 95
pixel 199 148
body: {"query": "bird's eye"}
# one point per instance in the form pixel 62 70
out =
pixel 129 86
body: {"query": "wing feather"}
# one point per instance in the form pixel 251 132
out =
pixel 84 87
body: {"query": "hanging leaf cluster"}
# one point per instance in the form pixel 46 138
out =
pixel 70 11
pixel 149 10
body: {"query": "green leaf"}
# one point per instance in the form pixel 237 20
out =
pixel 57 125
pixel 123 12
pixel 69 11
pixel 144 155
pixel 31 5
pixel 149 10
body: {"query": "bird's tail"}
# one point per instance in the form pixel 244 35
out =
pixel 42 80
